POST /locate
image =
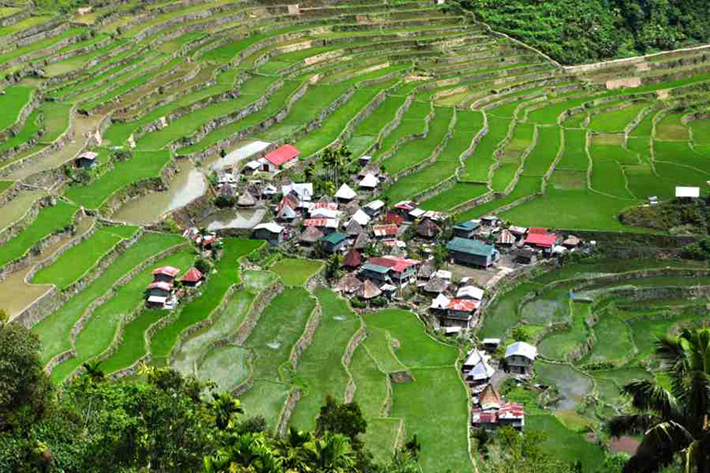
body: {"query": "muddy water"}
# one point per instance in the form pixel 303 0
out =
pixel 17 207
pixel 233 219
pixel 81 126
pixel 187 185
pixel 242 152
pixel 16 294
pixel 571 384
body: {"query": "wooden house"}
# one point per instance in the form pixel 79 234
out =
pixel 353 259
pixel 284 156
pixel 271 232
pixel 165 274
pixel 466 229
pixel 193 278
pixel 310 236
pixel 519 358
pixel 334 242
pixel 86 160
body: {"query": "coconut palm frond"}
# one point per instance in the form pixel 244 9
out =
pixel 649 396
pixel 631 424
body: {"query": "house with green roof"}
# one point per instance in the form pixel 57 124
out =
pixel 376 273
pixel 466 229
pixel 334 242
pixel 472 252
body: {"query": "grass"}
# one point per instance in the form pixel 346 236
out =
pixel 608 177
pixel 467 126
pixel 265 398
pixel 543 155
pixel 575 155
pixel 566 179
pixel 100 332
pixel 701 131
pixel 550 307
pixel 78 260
pixel 613 340
pixel 416 151
pixel 296 272
pixel 212 294
pixel 370 382
pixel 526 186
pixel 569 447
pixel 50 220
pixel 27 132
pixel 56 120
pixel 616 121
pixel 320 369
pixel 335 123
pixel 188 124
pixel 142 165
pixel 558 345
pixel 412 124
pixel 671 128
pixel 380 438
pixel 437 415
pixel 382 115
pixel 416 348
pixel 450 198
pixel 679 152
pixel 12 102
pixel 54 330
pixel 504 314
pixel 478 165
pixel 225 367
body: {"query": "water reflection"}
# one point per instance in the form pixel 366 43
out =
pixel 234 218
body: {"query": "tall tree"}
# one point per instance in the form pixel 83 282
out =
pixel 673 421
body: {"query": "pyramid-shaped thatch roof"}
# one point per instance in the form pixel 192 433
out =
pixel 361 241
pixel 435 285
pixel 310 235
pixel 349 284
pixel 489 398
pixel 426 270
pixel 353 228
pixel 353 259
pixel 428 229
pixel 246 200
pixel 369 291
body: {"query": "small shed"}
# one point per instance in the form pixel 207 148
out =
pixel 86 160
pixel 365 160
pixel 470 292
pixel 353 228
pixel 466 229
pixel 361 241
pixel 374 208
pixel 369 182
pixel 439 304
pixel 526 256
pixel 571 242
pixel 426 271
pixel 506 238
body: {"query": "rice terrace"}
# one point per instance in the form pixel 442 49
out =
pixel 421 207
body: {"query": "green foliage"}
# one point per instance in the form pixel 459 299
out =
pixel 573 32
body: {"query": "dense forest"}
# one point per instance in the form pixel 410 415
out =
pixel 574 31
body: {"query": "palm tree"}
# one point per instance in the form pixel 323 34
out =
pixel 93 372
pixel 674 421
pixel 331 453
pixel 249 452
pixel 225 407
pixel 292 450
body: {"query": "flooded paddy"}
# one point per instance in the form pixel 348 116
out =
pixel 240 219
pixel 17 207
pixel 187 185
pixel 226 366
pixel 571 384
pixel 243 151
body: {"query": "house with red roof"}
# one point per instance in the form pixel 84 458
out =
pixel 193 278
pixel 165 274
pixel 460 313
pixel 541 240
pixel 385 231
pixel 401 270
pixel 284 156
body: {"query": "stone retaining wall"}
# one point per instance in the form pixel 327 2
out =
pixel 262 300
pixel 357 338
pixel 307 338
pixel 17 227
pixel 294 396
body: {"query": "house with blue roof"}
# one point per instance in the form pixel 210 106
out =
pixel 472 252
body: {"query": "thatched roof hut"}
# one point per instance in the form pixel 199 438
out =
pixel 435 285
pixel 369 291
pixel 353 228
pixel 349 284
pixel 310 235
pixel 426 270
pixel 246 200
pixel 361 241
pixel 353 259
pixel 428 229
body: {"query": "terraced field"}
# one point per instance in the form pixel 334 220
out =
pixel 598 323
pixel 462 120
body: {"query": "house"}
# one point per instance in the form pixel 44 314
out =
pixel 165 274
pixel 687 193
pixel 321 212
pixel 334 242
pixel 506 238
pixel 426 271
pixel 402 269
pixel 289 200
pixel 470 292
pixel 369 291
pixel 246 200
pixel 472 252
pixel 361 217
pixel 158 294
pixel 544 241
pixel 519 358
pixel 271 232
pixel 490 399
pixel 252 166
pixel 374 208
pixel 310 235
pixel 326 225
pixel 526 256
pixel 353 259
pixel 435 286
pixel 473 357
pixel 505 414
pixel 385 231
pixel 304 191
pixel 466 229
pixel 460 312
pixel 193 278
pixel 428 229
pixel 415 214
pixel 388 290
pixel 439 304
pixel 86 160
pixel 404 207
pixel 477 372
pixel 369 182
pixel 393 218
pixel 434 216
pixel 375 272
pixel 365 160
pixel 518 231
pixel 284 156
pixel 345 193
pixel 349 284
pixel 353 228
